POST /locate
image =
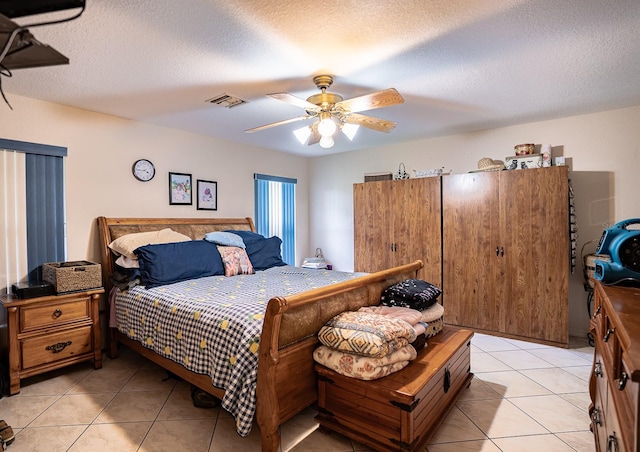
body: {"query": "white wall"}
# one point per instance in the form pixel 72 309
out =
pixel 602 149
pixel 102 149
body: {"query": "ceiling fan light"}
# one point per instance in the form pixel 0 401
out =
pixel 350 130
pixel 327 127
pixel 302 134
pixel 326 142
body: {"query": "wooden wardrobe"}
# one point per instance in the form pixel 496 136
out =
pixel 396 222
pixel 504 245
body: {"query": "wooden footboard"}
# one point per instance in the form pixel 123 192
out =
pixel 286 376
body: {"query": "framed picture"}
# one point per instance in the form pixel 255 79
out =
pixel 180 189
pixel 207 195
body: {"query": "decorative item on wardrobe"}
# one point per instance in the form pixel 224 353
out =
pixel 401 173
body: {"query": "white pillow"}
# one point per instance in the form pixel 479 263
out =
pixel 127 262
pixel 127 243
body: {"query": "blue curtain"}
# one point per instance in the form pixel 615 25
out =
pixel 275 211
pixel 45 199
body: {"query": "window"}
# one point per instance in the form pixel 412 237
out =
pixel 275 205
pixel 32 222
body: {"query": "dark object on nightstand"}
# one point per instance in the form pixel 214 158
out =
pixel 32 289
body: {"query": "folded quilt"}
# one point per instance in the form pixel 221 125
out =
pixel 366 334
pixel 411 316
pixel 410 293
pixel 364 367
pixel 432 313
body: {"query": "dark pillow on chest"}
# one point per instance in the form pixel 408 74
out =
pixel 169 263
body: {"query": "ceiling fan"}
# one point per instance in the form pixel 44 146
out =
pixel 333 112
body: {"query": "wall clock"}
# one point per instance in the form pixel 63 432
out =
pixel 143 170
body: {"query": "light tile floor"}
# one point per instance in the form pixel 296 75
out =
pixel 524 397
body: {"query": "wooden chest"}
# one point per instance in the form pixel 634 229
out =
pixel 402 410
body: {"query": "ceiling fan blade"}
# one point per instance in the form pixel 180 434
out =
pixel 279 123
pixel 379 99
pixel 381 125
pixel 294 100
pixel 315 136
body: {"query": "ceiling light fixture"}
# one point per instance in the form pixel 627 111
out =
pixel 350 130
pixel 327 126
pixel 326 142
pixel 302 134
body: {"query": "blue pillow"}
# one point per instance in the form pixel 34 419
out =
pixel 249 237
pixel 168 263
pixel 263 253
pixel 224 239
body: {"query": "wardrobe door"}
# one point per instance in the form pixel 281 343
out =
pixel 373 226
pixel 534 205
pixel 473 269
pixel 415 204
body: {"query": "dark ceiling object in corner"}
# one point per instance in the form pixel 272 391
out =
pixel 26 51
pixel 20 8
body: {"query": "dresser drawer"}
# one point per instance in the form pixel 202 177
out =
pixel 47 349
pixel 53 314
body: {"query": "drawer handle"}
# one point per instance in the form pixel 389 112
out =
pixel 57 313
pixel 597 311
pixel 447 380
pixel 57 348
pixel 596 416
pixel 623 381
pixel 597 369
pixel 610 331
pixel 612 443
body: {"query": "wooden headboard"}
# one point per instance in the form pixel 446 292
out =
pixel 110 229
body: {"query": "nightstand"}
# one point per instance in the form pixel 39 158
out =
pixel 46 333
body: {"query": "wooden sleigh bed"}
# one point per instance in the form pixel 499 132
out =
pixel 286 379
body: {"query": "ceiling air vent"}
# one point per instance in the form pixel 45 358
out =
pixel 226 100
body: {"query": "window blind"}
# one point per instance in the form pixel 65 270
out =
pixel 32 210
pixel 275 211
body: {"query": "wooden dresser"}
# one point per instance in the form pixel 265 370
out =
pixel 615 377
pixel 45 333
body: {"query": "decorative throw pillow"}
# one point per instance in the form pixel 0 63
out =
pixel 127 243
pixel 224 239
pixel 410 293
pixel 235 261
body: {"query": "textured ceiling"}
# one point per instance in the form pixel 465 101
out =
pixel 461 65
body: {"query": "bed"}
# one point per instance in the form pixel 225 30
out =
pixel 285 376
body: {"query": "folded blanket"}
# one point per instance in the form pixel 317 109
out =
pixel 410 293
pixel 366 333
pixel 411 316
pixel 432 313
pixel 364 367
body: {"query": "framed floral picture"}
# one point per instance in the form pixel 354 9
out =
pixel 207 195
pixel 180 189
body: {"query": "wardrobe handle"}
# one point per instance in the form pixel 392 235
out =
pixel 502 251
pixel 497 251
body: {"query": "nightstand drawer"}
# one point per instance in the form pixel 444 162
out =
pixel 36 317
pixel 56 347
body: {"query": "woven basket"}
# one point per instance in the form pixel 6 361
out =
pixel 72 276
